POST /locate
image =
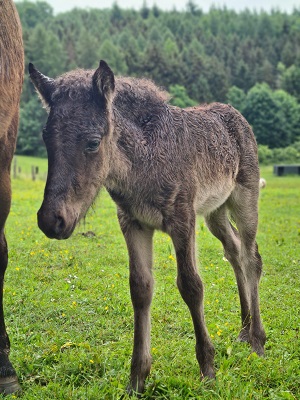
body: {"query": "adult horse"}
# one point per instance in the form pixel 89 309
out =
pixel 11 79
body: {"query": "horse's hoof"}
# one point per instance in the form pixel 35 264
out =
pixel 135 390
pixel 209 374
pixel 9 385
pixel 244 336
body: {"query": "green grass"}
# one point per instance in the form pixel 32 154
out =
pixel 69 314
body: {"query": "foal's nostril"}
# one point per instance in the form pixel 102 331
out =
pixel 52 223
pixel 56 223
pixel 60 224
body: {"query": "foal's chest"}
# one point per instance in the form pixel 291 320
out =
pixel 141 208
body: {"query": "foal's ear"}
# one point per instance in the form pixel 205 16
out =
pixel 45 86
pixel 104 82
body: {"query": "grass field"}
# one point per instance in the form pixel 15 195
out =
pixel 69 314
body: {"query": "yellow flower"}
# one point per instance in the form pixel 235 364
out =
pixel 17 269
pixel 92 361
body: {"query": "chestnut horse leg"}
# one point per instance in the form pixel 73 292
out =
pixel 8 378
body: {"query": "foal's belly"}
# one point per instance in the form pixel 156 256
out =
pixel 148 215
pixel 155 208
pixel 212 198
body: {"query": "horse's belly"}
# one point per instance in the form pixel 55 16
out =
pixel 149 216
pixel 209 200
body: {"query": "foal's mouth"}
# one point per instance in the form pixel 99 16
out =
pixel 66 233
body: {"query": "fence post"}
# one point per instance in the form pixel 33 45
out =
pixel 33 172
pixel 15 168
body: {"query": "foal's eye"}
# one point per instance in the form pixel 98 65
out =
pixel 92 145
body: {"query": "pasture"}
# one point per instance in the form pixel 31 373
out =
pixel 70 319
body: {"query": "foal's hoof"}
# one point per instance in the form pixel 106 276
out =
pixel 244 336
pixel 132 392
pixel 258 347
pixel 207 374
pixel 9 385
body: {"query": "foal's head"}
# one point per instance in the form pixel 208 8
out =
pixel 77 136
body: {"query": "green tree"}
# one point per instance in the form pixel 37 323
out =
pixel 132 55
pixel 157 66
pixel 32 119
pixel 87 50
pixel 194 54
pixel 288 54
pixel 32 14
pixel 265 154
pixel 236 97
pixel 194 72
pixel 273 116
pixel 114 56
pixel 217 79
pixel 170 49
pixel 44 49
pixel 290 81
pixel 180 97
pixel 289 114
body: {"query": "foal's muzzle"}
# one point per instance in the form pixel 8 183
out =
pixel 55 224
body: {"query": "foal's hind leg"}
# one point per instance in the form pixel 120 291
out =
pixel 220 226
pixel 139 243
pixel 191 288
pixel 244 208
pixel 242 252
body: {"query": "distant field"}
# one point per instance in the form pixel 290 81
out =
pixel 22 167
pixel 69 314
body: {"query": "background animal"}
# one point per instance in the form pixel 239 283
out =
pixel 11 79
pixel 161 165
pixel 262 183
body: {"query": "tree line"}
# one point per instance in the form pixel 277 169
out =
pixel 249 59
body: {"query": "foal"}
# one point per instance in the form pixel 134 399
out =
pixel 162 166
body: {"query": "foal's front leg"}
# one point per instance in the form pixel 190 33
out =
pixel 139 243
pixel 191 289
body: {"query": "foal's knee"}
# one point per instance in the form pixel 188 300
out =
pixel 141 288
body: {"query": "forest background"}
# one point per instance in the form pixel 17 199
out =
pixel 248 59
